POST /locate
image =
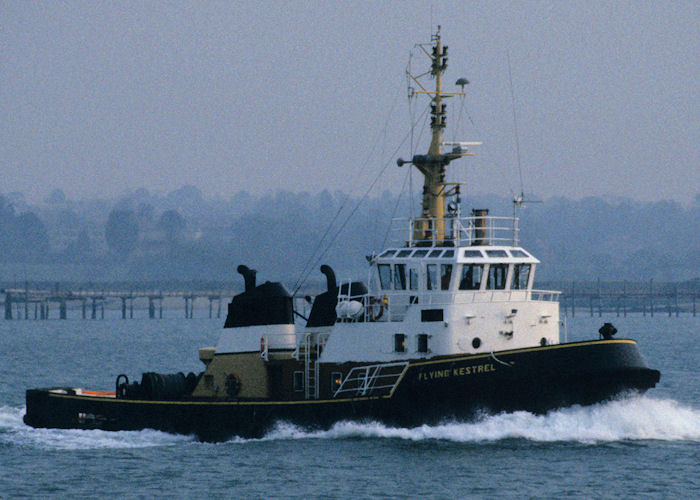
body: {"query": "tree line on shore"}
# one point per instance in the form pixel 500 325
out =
pixel 184 236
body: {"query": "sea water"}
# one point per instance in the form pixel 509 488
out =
pixel 636 446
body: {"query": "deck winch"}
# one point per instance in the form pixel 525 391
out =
pixel 157 386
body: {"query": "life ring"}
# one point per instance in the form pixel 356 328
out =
pixel 376 308
pixel 232 385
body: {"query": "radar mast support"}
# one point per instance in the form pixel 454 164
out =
pixel 430 227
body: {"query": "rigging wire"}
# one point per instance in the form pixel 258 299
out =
pixel 411 115
pixel 456 132
pixel 499 169
pixel 357 206
pixel 396 207
pixel 423 118
pixel 308 266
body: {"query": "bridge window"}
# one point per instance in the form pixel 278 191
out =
pixel 431 283
pixel 521 274
pixel 445 276
pixel 448 254
pixel 413 278
pixel 385 276
pixel 472 254
pixel 518 253
pixel 404 253
pixel 471 276
pixel 497 277
pixel 399 276
pixel 434 254
pixel 399 342
pixel 496 253
pixel 420 253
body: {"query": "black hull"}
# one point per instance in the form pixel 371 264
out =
pixel 456 387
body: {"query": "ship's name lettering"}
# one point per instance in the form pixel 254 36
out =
pixel 457 372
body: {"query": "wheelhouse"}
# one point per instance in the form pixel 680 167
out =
pixel 455 270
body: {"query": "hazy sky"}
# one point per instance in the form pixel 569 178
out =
pixel 98 98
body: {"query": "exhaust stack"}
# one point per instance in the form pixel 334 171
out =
pixel 480 235
pixel 248 277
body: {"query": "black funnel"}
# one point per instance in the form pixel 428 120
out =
pixel 248 276
pixel 330 277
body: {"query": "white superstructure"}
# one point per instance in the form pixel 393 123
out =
pixel 427 301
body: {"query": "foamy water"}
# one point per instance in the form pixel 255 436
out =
pixel 637 447
pixel 631 419
pixel 14 432
pixel 635 418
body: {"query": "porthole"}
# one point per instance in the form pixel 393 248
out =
pixel 476 343
pixel 543 341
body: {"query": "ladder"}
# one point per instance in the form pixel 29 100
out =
pixel 310 347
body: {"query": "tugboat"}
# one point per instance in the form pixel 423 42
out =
pixel 448 326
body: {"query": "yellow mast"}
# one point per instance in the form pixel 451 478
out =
pixel 430 228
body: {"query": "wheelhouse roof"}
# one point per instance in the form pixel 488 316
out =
pixel 472 254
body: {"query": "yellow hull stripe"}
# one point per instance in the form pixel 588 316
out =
pixel 345 400
pixel 526 349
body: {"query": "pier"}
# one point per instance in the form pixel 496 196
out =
pixel 594 298
pixel 620 298
pixel 38 303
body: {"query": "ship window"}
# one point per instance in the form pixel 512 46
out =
pixel 385 276
pixel 399 342
pixel 413 278
pixel 471 276
pixel 404 253
pixel 298 381
pixel 435 254
pixel 518 253
pixel 420 253
pixel 399 276
pixel 448 254
pixel 496 253
pixel 431 282
pixel 336 381
pixel 445 276
pixel 473 254
pixel 422 342
pixel 497 277
pixel 388 253
pixel 521 273
pixel 432 315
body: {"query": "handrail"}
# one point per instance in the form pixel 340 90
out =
pixel 304 339
pixel 459 231
pixel 392 305
pixel 363 379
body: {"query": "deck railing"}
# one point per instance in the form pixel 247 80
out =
pixel 372 380
pixel 454 231
pixel 392 306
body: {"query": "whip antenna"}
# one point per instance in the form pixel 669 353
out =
pixel 515 126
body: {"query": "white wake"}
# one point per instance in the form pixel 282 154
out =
pixel 14 432
pixel 634 418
